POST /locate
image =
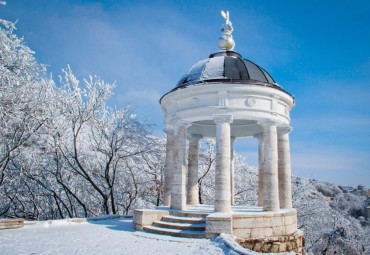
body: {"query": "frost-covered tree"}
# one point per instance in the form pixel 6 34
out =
pixel 152 164
pixel 23 107
pixel 99 139
pixel 64 152
pixel 246 181
pixel 206 175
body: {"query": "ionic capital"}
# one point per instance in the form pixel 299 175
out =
pixel 268 123
pixel 222 118
pixel 284 130
pixel 180 122
pixel 168 130
pixel 258 136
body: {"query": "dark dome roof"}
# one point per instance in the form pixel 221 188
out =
pixel 226 67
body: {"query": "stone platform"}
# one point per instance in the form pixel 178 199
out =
pixel 254 228
pixel 245 221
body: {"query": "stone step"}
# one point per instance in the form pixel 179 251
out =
pixel 175 232
pixel 189 214
pixel 179 219
pixel 183 226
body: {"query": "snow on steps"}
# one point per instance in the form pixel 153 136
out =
pixel 180 223
pixel 189 214
pixel 176 232
pixel 177 225
pixel 180 219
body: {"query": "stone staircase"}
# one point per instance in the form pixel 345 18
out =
pixel 182 224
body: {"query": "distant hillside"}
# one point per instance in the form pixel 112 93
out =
pixel 333 219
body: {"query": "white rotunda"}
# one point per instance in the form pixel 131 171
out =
pixel 228 97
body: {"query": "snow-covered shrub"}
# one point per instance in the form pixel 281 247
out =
pixel 328 189
pixel 321 219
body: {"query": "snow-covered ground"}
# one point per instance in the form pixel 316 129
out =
pixel 111 236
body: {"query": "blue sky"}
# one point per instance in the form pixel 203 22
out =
pixel 319 51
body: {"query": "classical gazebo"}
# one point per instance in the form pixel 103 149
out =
pixel 228 97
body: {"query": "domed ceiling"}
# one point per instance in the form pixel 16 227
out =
pixel 226 67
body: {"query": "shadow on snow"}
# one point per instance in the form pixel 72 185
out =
pixel 119 224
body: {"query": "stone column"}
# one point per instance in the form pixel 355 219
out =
pixel 192 188
pixel 222 178
pixel 284 170
pixel 232 171
pixel 260 169
pixel 168 167
pixel 178 197
pixel 270 167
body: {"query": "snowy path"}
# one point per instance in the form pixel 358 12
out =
pixel 113 236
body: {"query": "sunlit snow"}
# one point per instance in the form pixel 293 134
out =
pixel 214 69
pixel 112 236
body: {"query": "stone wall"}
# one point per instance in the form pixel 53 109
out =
pixel 217 223
pixel 265 224
pixel 146 217
pixel 290 243
pixel 11 223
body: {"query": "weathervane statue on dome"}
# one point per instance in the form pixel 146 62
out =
pixel 226 41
